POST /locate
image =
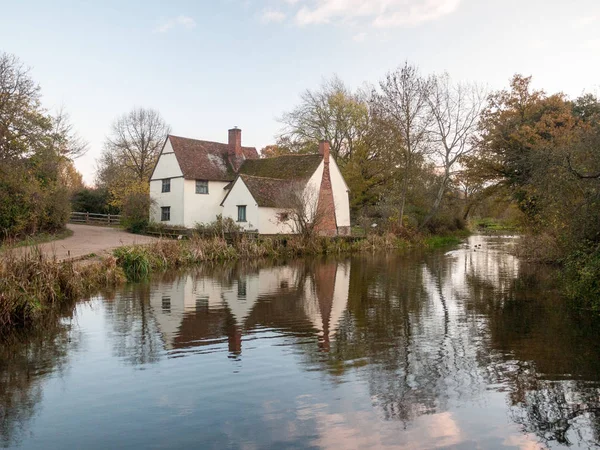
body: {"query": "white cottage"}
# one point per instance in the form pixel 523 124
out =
pixel 194 181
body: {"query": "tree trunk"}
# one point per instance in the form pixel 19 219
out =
pixel 438 201
pixel 403 200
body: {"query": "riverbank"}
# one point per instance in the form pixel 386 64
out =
pixel 33 285
pixel 38 239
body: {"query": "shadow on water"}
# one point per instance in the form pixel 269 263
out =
pixel 458 348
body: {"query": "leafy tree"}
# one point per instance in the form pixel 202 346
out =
pixel 36 151
pixel 92 200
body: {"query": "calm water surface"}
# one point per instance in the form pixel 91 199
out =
pixel 461 348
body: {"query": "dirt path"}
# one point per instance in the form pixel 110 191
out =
pixel 88 239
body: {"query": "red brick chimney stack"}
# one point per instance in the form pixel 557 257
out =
pixel 235 142
pixel 324 150
pixel 327 225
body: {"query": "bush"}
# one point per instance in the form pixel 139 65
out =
pixel 219 228
pixel 582 278
pixel 30 204
pixel 32 285
pixel 92 201
pixel 135 212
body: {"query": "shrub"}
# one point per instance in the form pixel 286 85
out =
pixel 134 260
pixel 221 227
pixel 582 278
pixel 135 211
pixel 28 204
pixel 33 285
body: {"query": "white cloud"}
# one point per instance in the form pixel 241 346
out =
pixel 360 37
pixel 379 13
pixel 271 15
pixel 179 21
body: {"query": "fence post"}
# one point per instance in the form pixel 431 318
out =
pixel 87 217
pixel 109 219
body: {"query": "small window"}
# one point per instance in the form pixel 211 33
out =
pixel 241 213
pixel 242 287
pixel 165 213
pixel 201 187
pixel 166 185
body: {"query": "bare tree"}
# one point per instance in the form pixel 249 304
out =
pixel 333 113
pixel 402 105
pixel 301 210
pixel 64 138
pixel 136 140
pixel 455 109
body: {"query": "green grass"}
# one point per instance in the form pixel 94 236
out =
pixel 441 241
pixel 489 224
pixel 36 239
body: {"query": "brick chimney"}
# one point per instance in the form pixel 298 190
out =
pixel 235 142
pixel 327 225
pixel 324 150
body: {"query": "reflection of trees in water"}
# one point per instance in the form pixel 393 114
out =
pixel 402 333
pixel 563 412
pixel 135 336
pixel 444 327
pixel 541 350
pixel 26 360
pixel 425 332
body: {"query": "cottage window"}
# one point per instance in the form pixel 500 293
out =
pixel 165 213
pixel 242 288
pixel 241 213
pixel 166 185
pixel 201 187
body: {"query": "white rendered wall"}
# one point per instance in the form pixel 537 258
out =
pixel 202 208
pixel 340 195
pixel 311 192
pixel 167 167
pixel 240 195
pixel 268 222
pixel 174 199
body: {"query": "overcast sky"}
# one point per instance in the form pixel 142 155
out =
pixel 208 65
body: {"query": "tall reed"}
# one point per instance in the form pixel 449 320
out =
pixel 32 284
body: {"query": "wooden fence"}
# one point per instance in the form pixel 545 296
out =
pixel 95 219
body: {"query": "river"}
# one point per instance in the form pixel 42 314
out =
pixel 465 347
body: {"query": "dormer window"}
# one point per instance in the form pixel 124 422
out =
pixel 201 187
pixel 166 185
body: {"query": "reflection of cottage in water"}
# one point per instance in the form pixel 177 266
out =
pixel 198 310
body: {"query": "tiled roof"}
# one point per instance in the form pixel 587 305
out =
pixel 270 179
pixel 206 160
pixel 288 167
pixel 269 192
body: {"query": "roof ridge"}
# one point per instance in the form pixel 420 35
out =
pixel 198 140
pixel 291 154
pixel 209 142
pixel 264 178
